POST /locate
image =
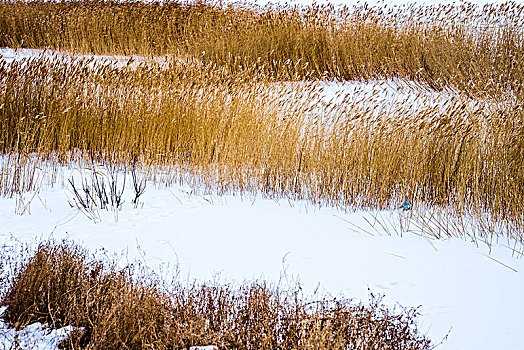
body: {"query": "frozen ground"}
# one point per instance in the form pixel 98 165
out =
pixel 466 289
pixel 35 336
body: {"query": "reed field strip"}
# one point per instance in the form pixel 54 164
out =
pixel 472 48
pixel 240 135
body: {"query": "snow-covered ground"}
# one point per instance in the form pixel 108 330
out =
pixel 468 291
pixel 39 336
pixel 378 2
pixel 360 2
pixel 464 288
pixel 35 336
pixel 10 55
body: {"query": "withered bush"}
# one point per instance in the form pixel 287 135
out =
pixel 112 308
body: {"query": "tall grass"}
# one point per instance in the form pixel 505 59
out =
pixel 232 134
pixel 474 49
pixel 214 110
pixel 131 308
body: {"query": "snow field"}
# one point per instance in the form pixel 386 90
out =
pixel 469 290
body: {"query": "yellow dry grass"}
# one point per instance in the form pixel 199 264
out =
pixel 234 135
pixel 475 49
pixel 220 118
pixel 132 308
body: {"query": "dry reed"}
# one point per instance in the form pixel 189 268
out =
pixel 212 114
pixel 232 134
pixel 474 49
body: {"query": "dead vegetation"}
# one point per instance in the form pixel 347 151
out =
pixel 475 49
pixel 218 113
pixel 213 113
pixel 114 308
pixel 232 134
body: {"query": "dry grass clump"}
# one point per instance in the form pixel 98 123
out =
pixel 474 49
pixel 18 174
pixel 131 308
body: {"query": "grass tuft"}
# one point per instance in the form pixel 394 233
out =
pixel 112 308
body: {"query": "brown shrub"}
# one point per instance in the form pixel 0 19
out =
pixel 127 308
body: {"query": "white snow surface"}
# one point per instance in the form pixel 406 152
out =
pixel 39 336
pixel 35 336
pixel 464 288
pixel 10 55
pixel 371 2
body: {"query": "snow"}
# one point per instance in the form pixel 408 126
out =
pixel 10 55
pixel 35 336
pixel 371 2
pixel 390 3
pixel 467 289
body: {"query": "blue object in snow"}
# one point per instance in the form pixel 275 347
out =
pixel 406 205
